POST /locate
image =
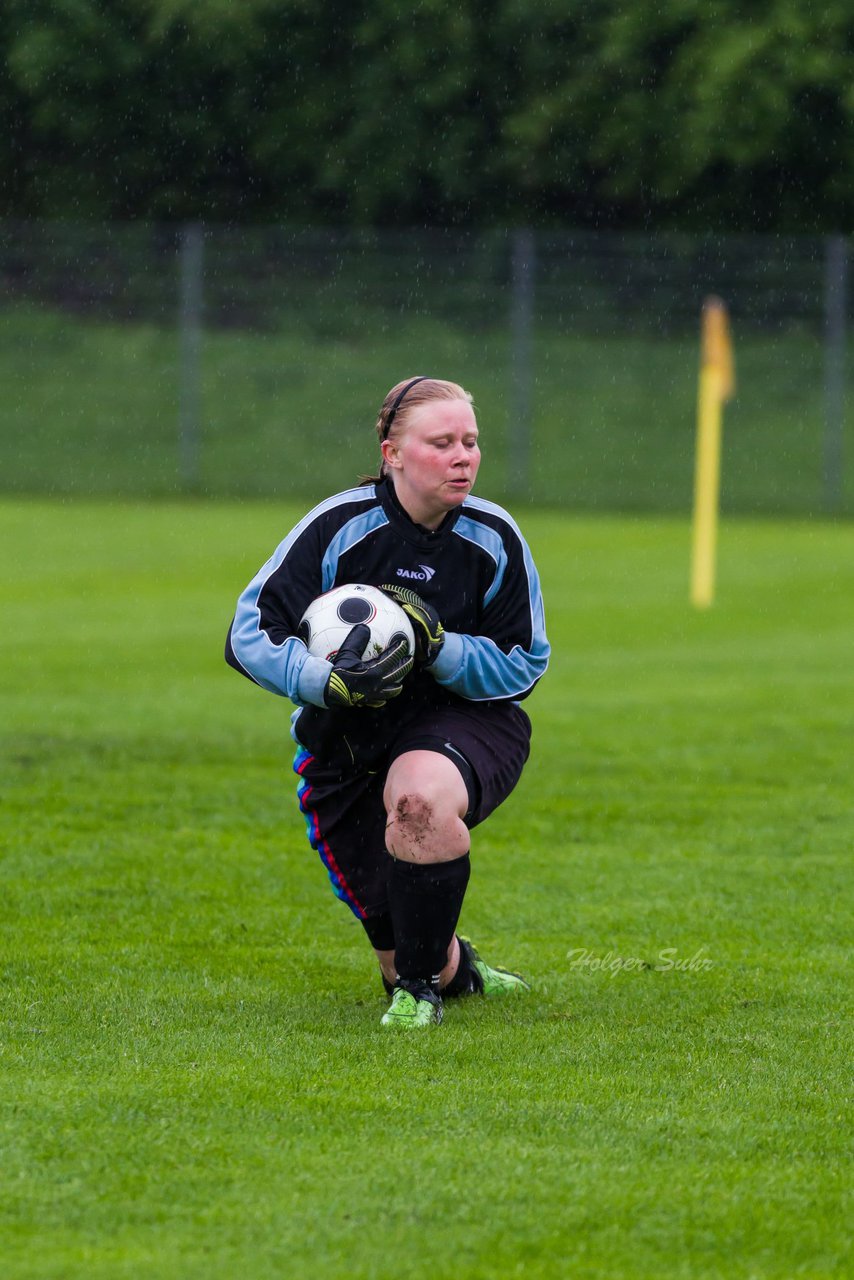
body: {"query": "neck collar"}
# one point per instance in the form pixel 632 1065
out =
pixel 402 520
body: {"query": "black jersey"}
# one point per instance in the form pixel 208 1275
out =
pixel 475 569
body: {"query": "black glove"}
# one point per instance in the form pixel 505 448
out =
pixel 356 683
pixel 429 632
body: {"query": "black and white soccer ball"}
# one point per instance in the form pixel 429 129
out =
pixel 330 618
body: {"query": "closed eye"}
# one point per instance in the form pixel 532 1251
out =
pixel 441 441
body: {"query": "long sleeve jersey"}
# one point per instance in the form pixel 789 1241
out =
pixel 475 569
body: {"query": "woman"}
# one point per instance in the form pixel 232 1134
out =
pixel 391 789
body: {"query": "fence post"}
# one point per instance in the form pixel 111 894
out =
pixel 191 250
pixel 523 266
pixel 835 315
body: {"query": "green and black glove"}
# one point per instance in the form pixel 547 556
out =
pixel 356 683
pixel 429 632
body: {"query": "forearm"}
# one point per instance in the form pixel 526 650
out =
pixel 476 668
pixel 285 668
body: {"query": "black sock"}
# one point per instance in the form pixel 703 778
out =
pixel 466 981
pixel 380 931
pixel 425 900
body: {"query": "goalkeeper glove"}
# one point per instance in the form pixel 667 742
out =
pixel 429 632
pixel 353 682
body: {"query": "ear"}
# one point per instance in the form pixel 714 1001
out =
pixel 391 454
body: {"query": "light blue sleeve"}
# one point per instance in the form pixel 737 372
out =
pixel 266 648
pixel 477 667
pixel 288 668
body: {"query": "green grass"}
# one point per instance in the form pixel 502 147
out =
pixel 92 409
pixel 193 1080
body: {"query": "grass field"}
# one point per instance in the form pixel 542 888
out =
pixel 192 1076
pixel 92 409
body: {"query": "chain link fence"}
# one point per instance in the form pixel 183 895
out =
pixel 150 361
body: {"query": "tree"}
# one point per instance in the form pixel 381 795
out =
pixel 591 112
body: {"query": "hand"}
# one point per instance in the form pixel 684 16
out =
pixel 356 683
pixel 429 632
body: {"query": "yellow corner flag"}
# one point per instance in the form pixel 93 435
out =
pixel 717 385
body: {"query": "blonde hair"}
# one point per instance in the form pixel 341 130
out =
pixel 400 402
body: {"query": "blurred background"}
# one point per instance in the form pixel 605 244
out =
pixel 226 230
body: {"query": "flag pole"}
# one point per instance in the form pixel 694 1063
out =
pixel 717 384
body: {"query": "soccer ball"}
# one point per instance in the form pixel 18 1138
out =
pixel 330 618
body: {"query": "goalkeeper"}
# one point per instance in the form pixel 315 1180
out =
pixel 397 765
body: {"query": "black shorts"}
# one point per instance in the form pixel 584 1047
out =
pixel 344 812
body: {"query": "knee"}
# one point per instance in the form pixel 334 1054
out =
pixel 425 799
pixel 421 828
pixel 414 815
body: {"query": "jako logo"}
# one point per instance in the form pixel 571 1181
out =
pixel 422 574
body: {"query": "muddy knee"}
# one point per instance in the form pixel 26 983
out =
pixel 411 817
pixel 424 799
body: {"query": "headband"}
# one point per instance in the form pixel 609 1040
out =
pixel 394 408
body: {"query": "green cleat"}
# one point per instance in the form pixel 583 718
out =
pixel 493 982
pixel 420 1007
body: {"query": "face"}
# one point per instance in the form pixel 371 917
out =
pixel 434 459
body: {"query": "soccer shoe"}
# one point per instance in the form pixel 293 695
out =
pixel 493 982
pixel 416 1007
